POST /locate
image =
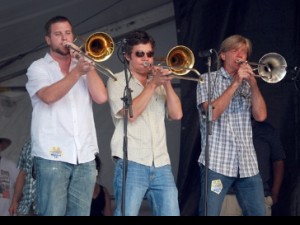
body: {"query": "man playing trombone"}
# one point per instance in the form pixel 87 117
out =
pixel 64 142
pixel 230 157
pixel 149 168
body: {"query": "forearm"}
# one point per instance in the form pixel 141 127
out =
pixel 17 192
pixel 96 87
pixel 278 172
pixel 259 108
pixel 221 103
pixel 140 103
pixel 57 90
pixel 173 103
pixel 19 186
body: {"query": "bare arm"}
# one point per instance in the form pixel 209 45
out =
pixel 173 102
pixel 140 103
pixel 17 192
pixel 221 103
pixel 278 171
pixel 107 208
pixel 259 108
pixel 96 87
pixel 57 90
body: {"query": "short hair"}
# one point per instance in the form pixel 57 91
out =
pixel 137 37
pixel 53 20
pixel 234 42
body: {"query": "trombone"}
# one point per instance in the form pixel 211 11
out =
pixel 98 47
pixel 271 67
pixel 180 60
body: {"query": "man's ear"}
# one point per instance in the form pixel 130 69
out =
pixel 222 56
pixel 47 39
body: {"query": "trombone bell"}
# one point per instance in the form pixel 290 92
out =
pixel 180 59
pixel 272 68
pixel 99 46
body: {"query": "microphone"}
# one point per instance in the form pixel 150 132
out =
pixel 206 53
pixel 293 68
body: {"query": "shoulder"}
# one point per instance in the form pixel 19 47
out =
pixel 41 61
pixel 120 79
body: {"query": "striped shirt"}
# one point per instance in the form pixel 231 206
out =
pixel 231 150
pixel 25 164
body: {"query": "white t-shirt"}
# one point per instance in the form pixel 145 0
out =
pixel 8 176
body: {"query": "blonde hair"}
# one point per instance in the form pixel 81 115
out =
pixel 234 42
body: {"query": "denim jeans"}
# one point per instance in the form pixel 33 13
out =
pixel 64 189
pixel 157 184
pixel 249 193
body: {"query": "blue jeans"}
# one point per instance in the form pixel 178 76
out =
pixel 157 184
pixel 249 193
pixel 64 189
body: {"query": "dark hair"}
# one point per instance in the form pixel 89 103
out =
pixel 53 20
pixel 137 37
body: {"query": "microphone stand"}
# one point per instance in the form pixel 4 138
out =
pixel 208 130
pixel 127 99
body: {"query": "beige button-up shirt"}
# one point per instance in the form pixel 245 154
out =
pixel 147 134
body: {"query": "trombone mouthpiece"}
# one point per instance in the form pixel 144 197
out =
pixel 66 44
pixel 146 64
pixel 238 61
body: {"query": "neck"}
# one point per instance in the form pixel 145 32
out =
pixel 140 77
pixel 61 58
pixel 64 62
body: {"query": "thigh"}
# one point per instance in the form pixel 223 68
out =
pixel 81 189
pixel 163 194
pixel 213 194
pixel 136 185
pixel 250 195
pixel 230 206
pixel 52 180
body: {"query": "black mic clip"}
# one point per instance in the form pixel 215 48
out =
pixel 206 53
pixel 122 42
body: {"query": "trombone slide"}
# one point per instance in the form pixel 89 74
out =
pixel 174 75
pixel 98 67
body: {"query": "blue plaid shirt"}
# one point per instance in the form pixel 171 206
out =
pixel 25 164
pixel 231 150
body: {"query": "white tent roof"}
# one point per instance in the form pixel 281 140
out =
pixel 22 24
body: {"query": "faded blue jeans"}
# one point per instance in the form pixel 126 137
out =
pixel 156 184
pixel 64 189
pixel 249 193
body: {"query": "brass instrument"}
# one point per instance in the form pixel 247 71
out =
pixel 98 47
pixel 271 67
pixel 180 60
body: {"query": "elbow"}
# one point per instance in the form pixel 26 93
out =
pixel 132 119
pixel 177 116
pixel 46 96
pixel 261 117
pixel 101 99
pixel 48 100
